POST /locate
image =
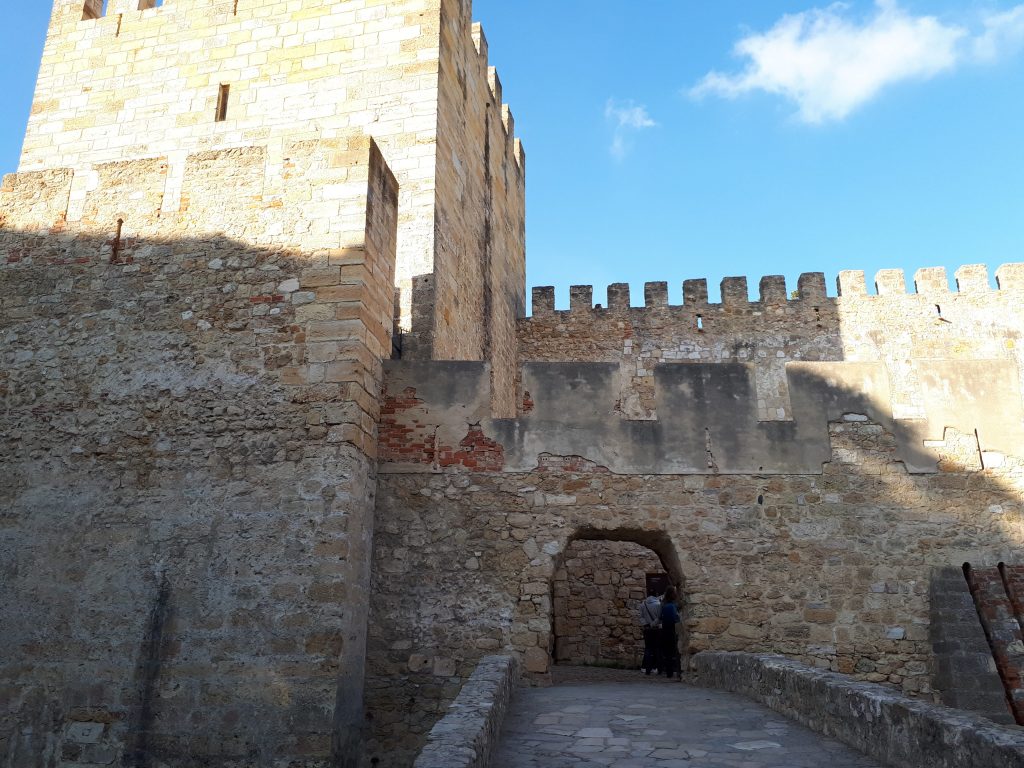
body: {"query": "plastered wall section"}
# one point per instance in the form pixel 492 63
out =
pixel 597 595
pixel 895 326
pixel 143 84
pixel 189 441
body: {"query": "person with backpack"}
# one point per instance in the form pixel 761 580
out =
pixel 650 622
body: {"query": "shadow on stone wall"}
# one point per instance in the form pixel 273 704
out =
pixel 185 503
pixel 831 567
pixel 599 580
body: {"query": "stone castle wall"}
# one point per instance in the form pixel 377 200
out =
pixel 140 84
pixel 597 593
pixel 480 279
pixel 812 535
pixel 189 442
pixel 831 568
pixel 898 329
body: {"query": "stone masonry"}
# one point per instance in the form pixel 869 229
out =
pixel 284 459
pixel 596 593
pixel 145 82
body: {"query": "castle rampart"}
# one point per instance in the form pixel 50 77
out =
pixel 973 323
pixel 208 378
pixel 223 508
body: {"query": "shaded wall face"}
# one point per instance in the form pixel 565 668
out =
pixel 831 569
pixel 188 432
pixel 597 594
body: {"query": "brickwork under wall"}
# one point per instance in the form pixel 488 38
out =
pixel 188 440
pixel 597 593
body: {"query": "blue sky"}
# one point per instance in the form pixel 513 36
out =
pixel 698 139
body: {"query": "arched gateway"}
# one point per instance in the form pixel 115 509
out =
pixel 599 580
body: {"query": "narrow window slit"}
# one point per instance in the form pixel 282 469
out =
pixel 94 9
pixel 222 103
pixel 700 322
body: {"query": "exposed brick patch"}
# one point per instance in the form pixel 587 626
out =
pixel 547 462
pixel 402 437
pixel 476 451
pixel 405 438
pixel 528 404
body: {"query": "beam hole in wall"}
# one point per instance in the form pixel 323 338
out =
pixel 223 96
pixel 597 589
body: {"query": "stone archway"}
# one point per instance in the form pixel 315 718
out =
pixel 616 593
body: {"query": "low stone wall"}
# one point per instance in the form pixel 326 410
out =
pixel 466 736
pixel 878 721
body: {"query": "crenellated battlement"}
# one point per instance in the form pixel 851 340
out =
pixel 900 321
pixel 513 145
pixel 773 290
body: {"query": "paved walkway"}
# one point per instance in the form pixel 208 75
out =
pixel 655 723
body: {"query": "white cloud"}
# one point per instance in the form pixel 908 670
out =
pixel 1003 35
pixel 626 118
pixel 830 63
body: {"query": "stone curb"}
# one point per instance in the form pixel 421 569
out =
pixel 467 735
pixel 896 730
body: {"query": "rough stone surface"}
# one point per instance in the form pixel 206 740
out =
pixel 198 258
pixel 467 735
pixel 187 495
pixel 875 720
pixel 596 597
pixel 647 723
pixel 831 569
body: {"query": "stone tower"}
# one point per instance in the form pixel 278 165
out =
pixel 217 206
pixel 123 79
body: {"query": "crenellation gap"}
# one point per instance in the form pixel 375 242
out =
pixel 811 287
pixel 973 278
pixel 695 293
pixel 734 292
pixel 889 282
pixel 852 282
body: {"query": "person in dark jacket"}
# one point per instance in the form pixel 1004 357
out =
pixel 670 661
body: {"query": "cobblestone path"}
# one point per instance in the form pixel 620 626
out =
pixel 653 723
